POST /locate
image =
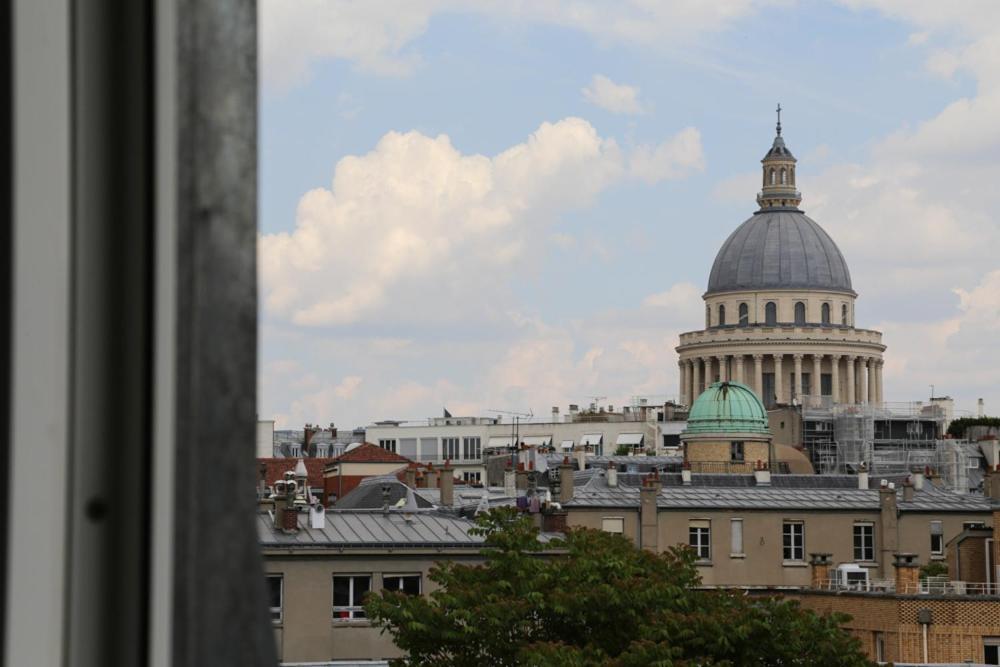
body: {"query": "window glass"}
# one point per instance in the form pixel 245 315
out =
pixel 937 538
pixel 449 448
pixel 771 313
pixel 843 314
pixel 471 448
pixel 736 537
pixel 275 585
pixel 736 451
pixel 388 444
pixel 744 315
pixel 825 313
pixel 348 595
pixel 864 542
pixel 793 541
pixel 800 313
pixel 722 315
pixel 472 477
pixel 407 583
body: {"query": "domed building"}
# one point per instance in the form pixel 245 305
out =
pixel 779 309
pixel 727 424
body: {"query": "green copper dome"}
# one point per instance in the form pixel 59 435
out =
pixel 727 407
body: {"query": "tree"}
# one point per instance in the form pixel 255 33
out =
pixel 957 428
pixel 594 599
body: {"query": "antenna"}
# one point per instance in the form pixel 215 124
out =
pixel 515 430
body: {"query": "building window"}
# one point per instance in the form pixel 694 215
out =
pixel 722 315
pixel 708 316
pixel 864 542
pixel 744 315
pixel 613 524
pixel 406 583
pixel 736 451
pixel 783 176
pixel 937 538
pixel 700 538
pixel 472 448
pixel 348 595
pixel 472 477
pixel 800 313
pixel 879 647
pixel 843 314
pixel 449 448
pixel 825 313
pixel 793 536
pixel 771 313
pixel 388 444
pixel 991 650
pixel 736 537
pixel 275 592
pixel 772 176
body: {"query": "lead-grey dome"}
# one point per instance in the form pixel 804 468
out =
pixel 779 249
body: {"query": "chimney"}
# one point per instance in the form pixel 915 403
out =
pixel 333 431
pixel 386 490
pixel 612 475
pixel 918 480
pixel 991 483
pixel 581 457
pixel 565 480
pixel 863 476
pixel 509 482
pixel 888 537
pixel 907 492
pixel 819 564
pixel 317 516
pixel 307 435
pixel 431 476
pixel 289 512
pixel 447 484
pixel 521 478
pixel 907 573
pixel 555 414
pixel 761 475
pixel 995 556
pixel 302 480
pixel 686 475
pixel 649 532
pixel 280 499
pixel 410 476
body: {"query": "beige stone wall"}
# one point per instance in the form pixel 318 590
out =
pixel 308 632
pixel 718 451
pixel 785 300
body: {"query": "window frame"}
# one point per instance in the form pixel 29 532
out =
pixel 825 315
pixel 790 551
pixel 722 314
pixel 857 549
pixel 447 453
pixel 737 451
pixel 743 313
pixel 401 576
pixel 733 553
pixel 279 618
pixel 355 612
pixel 771 313
pixel 476 451
pixel 388 444
pixel 619 519
pixel 700 538
pixel 939 536
pixel 797 319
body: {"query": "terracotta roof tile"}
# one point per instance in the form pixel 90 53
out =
pixel 369 453
pixel 275 469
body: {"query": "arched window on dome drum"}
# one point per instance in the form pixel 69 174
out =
pixel 783 176
pixel 722 315
pixel 771 313
pixel 800 313
pixel 843 314
pixel 772 176
pixel 825 313
pixel 744 315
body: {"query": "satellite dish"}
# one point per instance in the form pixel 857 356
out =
pixel 353 445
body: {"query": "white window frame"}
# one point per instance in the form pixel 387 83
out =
pixel 700 538
pixel 607 521
pixel 474 452
pixel 792 552
pixel 388 444
pixel 277 613
pixel 472 476
pixel 870 526
pixel 400 575
pixel 447 451
pixel 354 611
pixel 736 545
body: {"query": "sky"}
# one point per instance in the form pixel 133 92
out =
pixel 515 205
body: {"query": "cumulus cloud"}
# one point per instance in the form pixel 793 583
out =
pixel 611 96
pixel 417 220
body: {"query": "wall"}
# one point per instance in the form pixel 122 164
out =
pixel 786 300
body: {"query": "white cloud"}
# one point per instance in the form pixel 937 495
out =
pixel 375 34
pixel 611 96
pixel 348 388
pixel 416 217
pixel 685 297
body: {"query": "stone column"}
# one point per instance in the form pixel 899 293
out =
pixel 797 383
pixel 695 378
pixel 682 380
pixel 878 381
pixel 758 375
pixel 862 379
pixel 738 368
pixel 835 378
pixel 778 380
pixel 849 366
pixel 723 368
pixel 816 387
pixel 872 382
pixel 709 371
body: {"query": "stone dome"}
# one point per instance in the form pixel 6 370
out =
pixel 727 407
pixel 779 248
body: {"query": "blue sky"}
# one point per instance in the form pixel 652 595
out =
pixel 500 238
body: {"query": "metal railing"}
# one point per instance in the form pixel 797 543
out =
pixel 927 586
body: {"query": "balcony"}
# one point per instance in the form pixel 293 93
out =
pixel 760 333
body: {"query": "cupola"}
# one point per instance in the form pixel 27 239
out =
pixel 778 183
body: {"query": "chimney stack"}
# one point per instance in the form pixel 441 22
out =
pixel 447 484
pixel 761 475
pixel 820 570
pixel 991 483
pixel 431 476
pixel 555 414
pixel 565 480
pixel 907 491
pixel 612 475
pixel 509 482
pixel 686 474
pixel 649 531
pixel 290 512
pixel 410 476
pixel 521 477
pixel 863 476
pixel 918 480
pixel 907 573
pixel 581 457
pixel 887 540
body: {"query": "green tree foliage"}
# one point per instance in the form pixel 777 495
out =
pixel 595 599
pixel 957 428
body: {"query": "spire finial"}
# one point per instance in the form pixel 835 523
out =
pixel 779 119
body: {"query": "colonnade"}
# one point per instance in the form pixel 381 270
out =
pixel 861 381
